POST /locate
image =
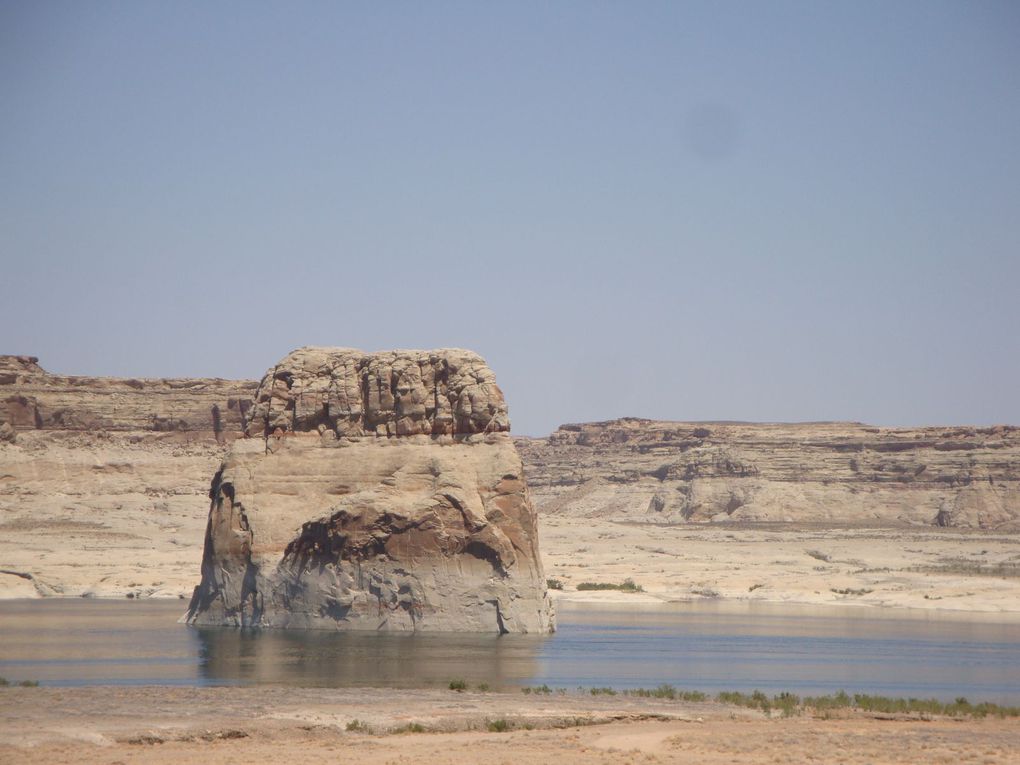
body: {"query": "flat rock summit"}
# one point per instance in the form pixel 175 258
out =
pixel 374 491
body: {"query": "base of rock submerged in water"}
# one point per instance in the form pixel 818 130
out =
pixel 374 492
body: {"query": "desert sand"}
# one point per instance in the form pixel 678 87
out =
pixel 945 570
pixel 244 725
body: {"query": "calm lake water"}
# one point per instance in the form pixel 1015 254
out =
pixel 703 646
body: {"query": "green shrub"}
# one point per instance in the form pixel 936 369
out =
pixel 840 700
pixel 458 685
pixel 536 689
pixel 788 703
pixel 410 728
pixel 757 700
pixel 554 584
pixel 692 696
pixel 627 585
pixel 667 691
pixel 497 726
pixel 23 683
pixel 960 707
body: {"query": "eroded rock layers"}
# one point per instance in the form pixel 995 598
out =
pixel 669 472
pixel 375 492
pixel 33 399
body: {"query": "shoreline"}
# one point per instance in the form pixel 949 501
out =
pixel 762 605
pixel 616 601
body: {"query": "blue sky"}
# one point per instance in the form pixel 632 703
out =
pixel 761 211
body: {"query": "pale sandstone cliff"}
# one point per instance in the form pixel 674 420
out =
pixel 376 492
pixel 33 399
pixel 670 472
pixel 104 481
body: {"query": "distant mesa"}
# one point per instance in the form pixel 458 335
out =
pixel 33 399
pixel 374 491
pixel 635 470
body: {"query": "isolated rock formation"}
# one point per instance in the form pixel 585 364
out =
pixel 838 472
pixel 375 491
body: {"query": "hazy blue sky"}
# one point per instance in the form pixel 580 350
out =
pixel 755 210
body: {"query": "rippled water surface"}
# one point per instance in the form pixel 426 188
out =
pixel 708 646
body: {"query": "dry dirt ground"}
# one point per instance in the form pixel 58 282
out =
pixel 920 568
pixel 252 725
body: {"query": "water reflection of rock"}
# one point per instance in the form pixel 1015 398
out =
pixel 336 659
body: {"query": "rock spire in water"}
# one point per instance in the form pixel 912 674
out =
pixel 375 491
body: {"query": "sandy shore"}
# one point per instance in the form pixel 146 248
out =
pixel 930 569
pixel 244 725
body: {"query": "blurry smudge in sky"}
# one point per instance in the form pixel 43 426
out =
pixel 712 131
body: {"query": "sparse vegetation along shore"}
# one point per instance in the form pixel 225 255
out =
pixel 627 585
pixel 4 682
pixel 790 704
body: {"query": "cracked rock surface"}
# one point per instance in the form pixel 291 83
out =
pixel 375 491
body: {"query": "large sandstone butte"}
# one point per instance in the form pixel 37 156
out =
pixel 375 491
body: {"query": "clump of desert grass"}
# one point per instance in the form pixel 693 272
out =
pixel 4 682
pixel 666 691
pixel 543 690
pixel 411 727
pixel 789 704
pixel 627 585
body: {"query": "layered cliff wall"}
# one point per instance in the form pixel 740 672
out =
pixel 33 399
pixel 669 472
pixel 104 482
pixel 375 492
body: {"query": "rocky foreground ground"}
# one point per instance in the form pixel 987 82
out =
pixel 243 725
